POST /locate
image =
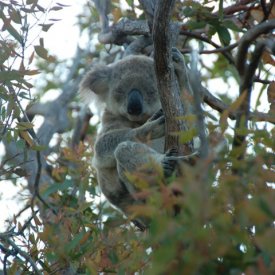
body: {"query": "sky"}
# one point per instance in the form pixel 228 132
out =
pixel 61 40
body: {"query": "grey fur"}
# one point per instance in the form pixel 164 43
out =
pixel 126 141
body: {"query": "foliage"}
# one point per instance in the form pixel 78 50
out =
pixel 224 203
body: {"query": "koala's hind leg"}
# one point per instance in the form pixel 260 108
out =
pixel 118 195
pixel 132 156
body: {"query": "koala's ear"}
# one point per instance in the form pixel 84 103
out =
pixel 97 80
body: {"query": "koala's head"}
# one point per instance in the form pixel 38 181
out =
pixel 127 87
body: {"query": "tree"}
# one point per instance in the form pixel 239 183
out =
pixel 226 197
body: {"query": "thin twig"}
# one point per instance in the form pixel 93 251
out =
pixel 25 255
pixel 198 36
pixel 264 8
pixel 217 50
pixel 238 6
pixel 220 106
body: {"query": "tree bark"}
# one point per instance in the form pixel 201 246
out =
pixel 169 91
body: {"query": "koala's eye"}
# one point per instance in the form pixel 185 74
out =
pixel 118 95
pixel 119 91
pixel 152 92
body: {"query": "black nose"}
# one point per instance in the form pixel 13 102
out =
pixel 135 102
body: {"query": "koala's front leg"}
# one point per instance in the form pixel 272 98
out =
pixel 107 143
pixel 153 128
pixel 105 146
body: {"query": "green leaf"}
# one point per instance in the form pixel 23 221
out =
pixel 58 187
pixel 41 51
pixel 13 32
pixel 45 27
pixel 187 135
pixel 129 2
pixel 20 144
pixel 38 147
pixel 4 93
pixel 15 16
pixel 265 207
pixel 24 95
pixel 188 12
pixel 224 35
pixel 75 242
pixel 113 257
pixel 30 2
pixel 5 53
pixel 7 76
pixel 24 125
pixel 192 25
pixel 56 8
pixel 231 25
pixel 3 113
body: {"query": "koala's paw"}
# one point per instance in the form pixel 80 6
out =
pixel 140 224
pixel 155 126
pixel 156 115
pixel 169 162
pixel 176 55
pixel 158 127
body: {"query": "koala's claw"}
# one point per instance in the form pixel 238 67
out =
pixel 156 115
pixel 140 225
pixel 169 163
pixel 173 152
pixel 161 120
pixel 176 55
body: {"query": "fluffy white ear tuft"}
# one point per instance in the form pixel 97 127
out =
pixel 96 82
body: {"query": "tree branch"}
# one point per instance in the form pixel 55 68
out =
pixel 249 37
pixel 149 9
pixel 199 36
pixel 239 6
pixel 103 7
pixel 166 80
pixel 247 73
pixel 195 81
pixel 81 127
pixel 117 34
pixel 220 106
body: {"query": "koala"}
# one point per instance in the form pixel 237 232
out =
pixel 132 127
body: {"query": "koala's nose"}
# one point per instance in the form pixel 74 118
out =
pixel 135 102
